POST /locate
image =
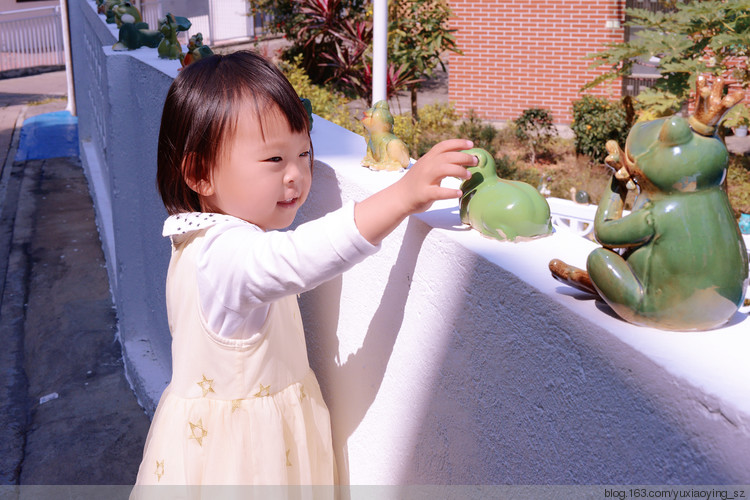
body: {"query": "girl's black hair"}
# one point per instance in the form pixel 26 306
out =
pixel 200 115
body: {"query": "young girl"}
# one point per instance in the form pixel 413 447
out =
pixel 235 165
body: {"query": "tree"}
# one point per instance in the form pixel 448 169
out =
pixel 418 36
pixel 696 37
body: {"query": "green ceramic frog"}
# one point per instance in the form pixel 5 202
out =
pixel 169 26
pixel 677 261
pixel 499 208
pixel 385 151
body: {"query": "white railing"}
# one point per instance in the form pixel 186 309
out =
pixel 572 216
pixel 31 37
pixel 151 12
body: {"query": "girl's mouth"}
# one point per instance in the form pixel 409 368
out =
pixel 288 203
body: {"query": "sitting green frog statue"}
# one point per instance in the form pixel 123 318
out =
pixel 385 151
pixel 169 26
pixel 499 208
pixel 677 261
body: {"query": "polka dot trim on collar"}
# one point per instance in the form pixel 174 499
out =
pixel 194 221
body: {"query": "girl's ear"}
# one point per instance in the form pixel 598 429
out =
pixel 202 187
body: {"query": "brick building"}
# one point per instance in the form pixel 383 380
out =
pixel 521 54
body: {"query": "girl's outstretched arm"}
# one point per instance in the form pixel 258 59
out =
pixel 377 216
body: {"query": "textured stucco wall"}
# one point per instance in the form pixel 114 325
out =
pixel 446 358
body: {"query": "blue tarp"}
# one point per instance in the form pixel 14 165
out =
pixel 50 135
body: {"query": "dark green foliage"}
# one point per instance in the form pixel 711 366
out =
pixel 315 28
pixel 535 128
pixel 506 167
pixel 696 37
pixel 482 134
pixel 595 121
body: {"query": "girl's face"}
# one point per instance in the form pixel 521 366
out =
pixel 263 181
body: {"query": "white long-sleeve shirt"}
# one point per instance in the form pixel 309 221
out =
pixel 243 269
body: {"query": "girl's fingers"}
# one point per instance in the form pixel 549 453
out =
pixel 459 158
pixel 441 193
pixel 452 170
pixel 451 145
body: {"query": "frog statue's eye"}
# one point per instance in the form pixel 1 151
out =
pixel 675 131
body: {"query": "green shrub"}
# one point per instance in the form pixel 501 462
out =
pixel 535 128
pixel 595 121
pixel 738 183
pixel 326 103
pixel 482 134
pixel 506 167
pixel 436 123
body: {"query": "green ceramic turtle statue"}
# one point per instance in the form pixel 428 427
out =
pixel 502 209
pixel 677 261
pixel 135 35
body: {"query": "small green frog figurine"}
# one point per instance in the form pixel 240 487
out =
pixel 677 261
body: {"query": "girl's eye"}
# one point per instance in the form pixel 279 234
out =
pixel 306 153
pixel 274 159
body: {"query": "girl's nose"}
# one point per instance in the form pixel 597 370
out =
pixel 292 174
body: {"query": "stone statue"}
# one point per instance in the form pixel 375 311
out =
pixel 677 261
pixel 385 151
pixel 499 208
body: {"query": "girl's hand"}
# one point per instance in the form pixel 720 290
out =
pixel 377 216
pixel 421 183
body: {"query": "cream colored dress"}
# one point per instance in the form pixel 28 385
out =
pixel 237 411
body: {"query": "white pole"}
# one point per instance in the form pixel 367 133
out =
pixel 71 107
pixel 379 50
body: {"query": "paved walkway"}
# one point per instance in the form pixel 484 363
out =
pixel 69 416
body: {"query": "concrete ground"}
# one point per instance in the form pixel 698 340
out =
pixel 69 416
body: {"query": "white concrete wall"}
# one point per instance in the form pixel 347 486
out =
pixel 446 358
pixel 119 98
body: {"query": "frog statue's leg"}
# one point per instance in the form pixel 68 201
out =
pixel 616 282
pixel 620 281
pixel 570 275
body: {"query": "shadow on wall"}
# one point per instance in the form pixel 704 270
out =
pixel 523 402
pixel 356 380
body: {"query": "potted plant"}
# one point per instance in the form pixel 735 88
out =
pixel 738 120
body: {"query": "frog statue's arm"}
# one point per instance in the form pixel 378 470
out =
pixel 611 229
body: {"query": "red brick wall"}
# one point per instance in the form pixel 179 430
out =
pixel 521 54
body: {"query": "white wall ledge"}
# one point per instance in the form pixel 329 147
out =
pixel 446 358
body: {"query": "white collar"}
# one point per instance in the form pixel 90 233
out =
pixel 187 222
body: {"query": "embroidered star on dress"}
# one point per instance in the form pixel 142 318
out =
pixel 207 385
pixel 265 390
pixel 236 404
pixel 201 431
pixel 159 470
